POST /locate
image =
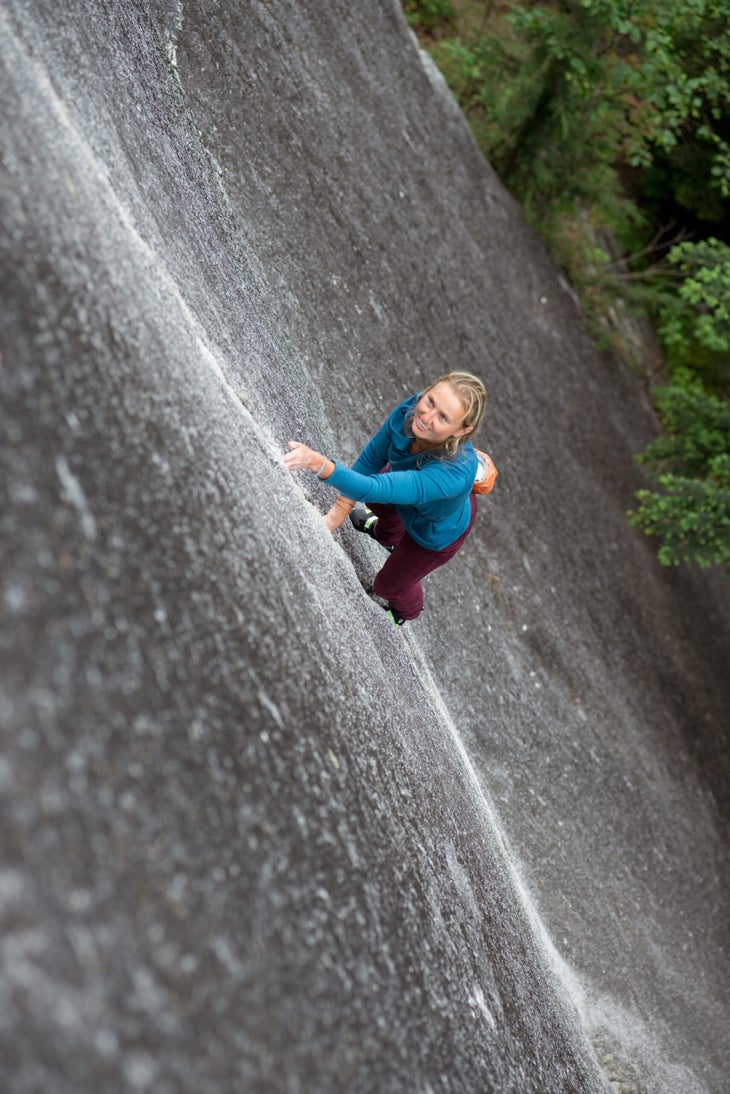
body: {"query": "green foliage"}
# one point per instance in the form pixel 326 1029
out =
pixel 559 92
pixel 694 323
pixel 689 509
pixel 428 13
pixel 528 96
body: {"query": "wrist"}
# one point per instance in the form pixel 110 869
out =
pixel 323 467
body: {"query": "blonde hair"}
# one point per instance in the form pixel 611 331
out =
pixel 473 397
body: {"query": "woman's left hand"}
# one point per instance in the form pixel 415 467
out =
pixel 300 458
pixel 338 513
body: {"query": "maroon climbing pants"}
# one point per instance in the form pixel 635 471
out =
pixel 399 581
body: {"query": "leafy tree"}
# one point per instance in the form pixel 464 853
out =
pixel 558 93
pixel 689 509
pixel 695 324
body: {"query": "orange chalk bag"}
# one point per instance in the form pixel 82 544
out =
pixel 486 474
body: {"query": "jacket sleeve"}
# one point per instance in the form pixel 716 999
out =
pixel 434 482
pixel 374 455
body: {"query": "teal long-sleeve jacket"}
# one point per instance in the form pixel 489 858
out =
pixel 430 492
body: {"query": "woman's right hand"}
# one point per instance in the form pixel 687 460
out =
pixel 300 458
pixel 338 513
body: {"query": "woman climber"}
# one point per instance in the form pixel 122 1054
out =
pixel 415 476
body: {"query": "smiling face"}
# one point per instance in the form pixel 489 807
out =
pixel 439 415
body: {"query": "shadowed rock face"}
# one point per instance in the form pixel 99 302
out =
pixel 253 838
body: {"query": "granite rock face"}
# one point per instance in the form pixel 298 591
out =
pixel 253 838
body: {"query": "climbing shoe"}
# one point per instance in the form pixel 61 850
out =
pixel 363 520
pixel 395 617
